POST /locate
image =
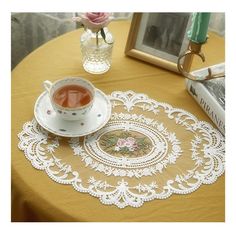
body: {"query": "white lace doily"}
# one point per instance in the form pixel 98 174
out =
pixel 148 150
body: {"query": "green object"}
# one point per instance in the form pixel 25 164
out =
pixel 199 28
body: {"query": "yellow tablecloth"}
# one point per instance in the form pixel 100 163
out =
pixel 35 197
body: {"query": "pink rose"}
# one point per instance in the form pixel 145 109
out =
pixel 94 21
pixel 131 140
pixel 121 142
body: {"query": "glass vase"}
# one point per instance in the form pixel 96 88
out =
pixel 96 52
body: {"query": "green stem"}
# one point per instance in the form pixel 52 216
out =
pixel 97 39
pixel 104 36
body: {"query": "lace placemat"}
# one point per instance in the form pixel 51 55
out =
pixel 148 150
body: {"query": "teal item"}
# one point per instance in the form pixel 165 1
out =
pixel 199 28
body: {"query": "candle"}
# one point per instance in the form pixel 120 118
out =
pixel 199 28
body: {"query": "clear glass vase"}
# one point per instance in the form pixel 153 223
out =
pixel 96 52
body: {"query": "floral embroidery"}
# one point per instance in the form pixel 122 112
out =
pixel 125 143
pixel 129 143
pixel 136 179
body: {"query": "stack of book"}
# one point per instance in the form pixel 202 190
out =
pixel 210 95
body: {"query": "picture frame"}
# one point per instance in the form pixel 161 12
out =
pixel 158 38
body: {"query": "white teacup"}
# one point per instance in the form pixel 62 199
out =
pixel 68 113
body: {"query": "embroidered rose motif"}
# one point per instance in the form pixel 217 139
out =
pixel 128 143
pixel 121 143
pixel 125 143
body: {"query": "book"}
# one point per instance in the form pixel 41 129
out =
pixel 210 94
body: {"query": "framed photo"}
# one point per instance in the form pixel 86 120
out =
pixel 159 38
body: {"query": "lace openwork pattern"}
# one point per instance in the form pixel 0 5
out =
pixel 148 150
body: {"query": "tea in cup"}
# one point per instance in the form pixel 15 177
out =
pixel 71 98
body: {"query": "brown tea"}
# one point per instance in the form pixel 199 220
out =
pixel 72 96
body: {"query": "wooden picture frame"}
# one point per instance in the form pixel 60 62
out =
pixel 158 38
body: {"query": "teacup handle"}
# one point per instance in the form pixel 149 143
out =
pixel 47 85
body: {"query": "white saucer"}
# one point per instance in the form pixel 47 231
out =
pixel 98 116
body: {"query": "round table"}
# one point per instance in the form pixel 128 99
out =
pixel 35 197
